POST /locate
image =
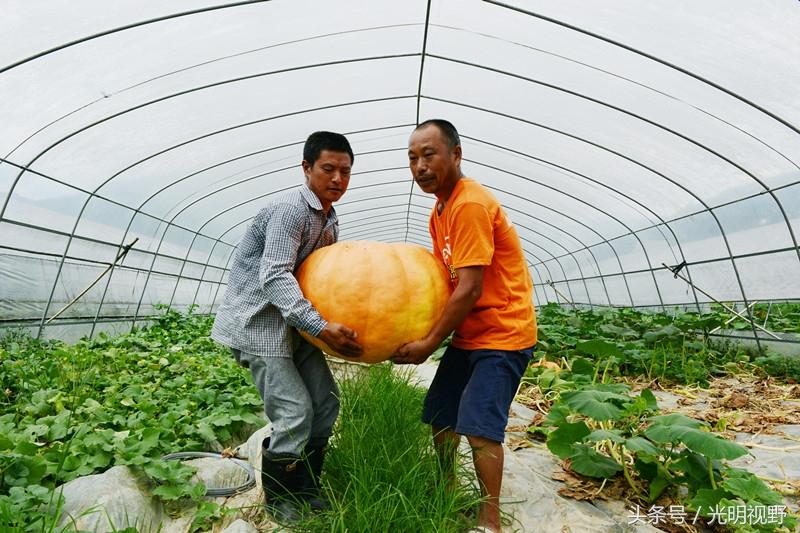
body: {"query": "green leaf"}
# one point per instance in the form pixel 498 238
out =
pixel 598 435
pixel 666 333
pixel 161 470
pixel 26 447
pixel 594 403
pixel 205 431
pixel 220 420
pixel 581 366
pixel 561 440
pixel 749 487
pixel 700 441
pixel 169 493
pixel 706 500
pixel 658 484
pixel 675 419
pixel 641 445
pixel 598 348
pixel 253 419
pixel 586 461
pixel 557 416
pixel 149 439
pixel 650 399
pixel 695 469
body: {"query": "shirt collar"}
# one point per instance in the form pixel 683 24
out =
pixel 314 202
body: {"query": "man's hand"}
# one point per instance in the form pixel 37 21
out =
pixel 414 352
pixel 341 339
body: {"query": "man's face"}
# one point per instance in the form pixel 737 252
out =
pixel 433 164
pixel 329 176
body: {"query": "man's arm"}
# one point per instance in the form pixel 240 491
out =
pixel 282 241
pixel 460 303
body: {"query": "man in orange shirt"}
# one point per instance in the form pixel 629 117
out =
pixel 490 309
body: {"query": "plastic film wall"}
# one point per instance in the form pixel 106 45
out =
pixel 620 136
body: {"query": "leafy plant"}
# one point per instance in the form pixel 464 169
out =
pixel 74 410
pixel 659 346
pixel 600 430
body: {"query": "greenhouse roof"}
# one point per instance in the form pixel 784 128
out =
pixel 620 137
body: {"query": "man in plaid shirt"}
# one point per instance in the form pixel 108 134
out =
pixel 262 311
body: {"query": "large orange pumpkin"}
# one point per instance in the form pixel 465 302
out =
pixel 389 293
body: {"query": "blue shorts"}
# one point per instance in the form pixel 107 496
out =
pixel 473 390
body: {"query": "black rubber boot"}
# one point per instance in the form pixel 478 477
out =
pixel 313 458
pixel 282 478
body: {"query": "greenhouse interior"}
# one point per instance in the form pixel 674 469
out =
pixel 646 153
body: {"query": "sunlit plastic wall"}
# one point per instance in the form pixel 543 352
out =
pixel 619 136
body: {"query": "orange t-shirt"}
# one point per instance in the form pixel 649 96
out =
pixel 473 230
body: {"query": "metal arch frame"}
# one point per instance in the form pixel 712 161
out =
pixel 189 249
pixel 419 84
pixel 141 105
pixel 553 258
pixel 244 180
pixel 218 59
pixel 345 203
pixel 698 144
pixel 637 163
pixel 127 27
pixel 646 55
pixel 624 78
pixel 213 85
pixel 361 200
pixel 82 191
pixel 415 222
pixel 244 221
pixel 393 230
pixel 138 210
pixel 410 228
pixel 708 211
pixel 789 226
pixel 94 193
pixel 93 240
pixel 603 240
pixel 568 252
pixel 426 208
pixel 278 170
pixel 711 84
pixel 239 182
pixel 394 168
pixel 613 189
pixel 607 296
pixel 588 204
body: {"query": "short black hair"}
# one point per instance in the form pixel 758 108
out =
pixel 448 130
pixel 325 140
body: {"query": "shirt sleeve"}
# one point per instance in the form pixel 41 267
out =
pixel 472 236
pixel 282 242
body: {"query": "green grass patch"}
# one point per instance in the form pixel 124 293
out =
pixel 381 472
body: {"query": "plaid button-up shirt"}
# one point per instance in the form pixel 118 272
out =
pixel 262 300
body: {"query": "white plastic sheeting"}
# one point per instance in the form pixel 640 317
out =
pixel 619 135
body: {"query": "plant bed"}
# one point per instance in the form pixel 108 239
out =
pixel 617 444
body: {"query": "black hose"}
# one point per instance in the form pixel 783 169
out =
pixel 219 491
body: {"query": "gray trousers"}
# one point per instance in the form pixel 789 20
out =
pixel 300 397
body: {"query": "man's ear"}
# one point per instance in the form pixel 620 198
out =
pixel 457 154
pixel 306 168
